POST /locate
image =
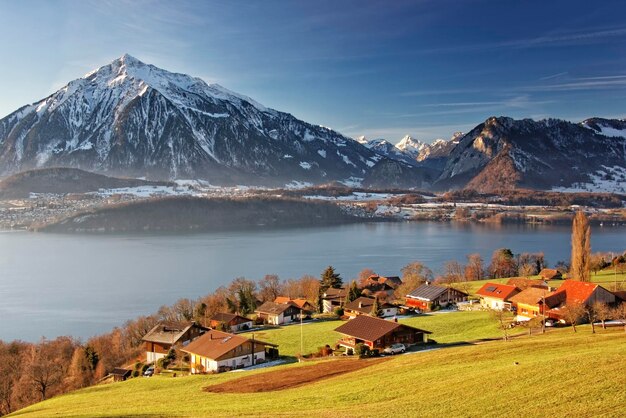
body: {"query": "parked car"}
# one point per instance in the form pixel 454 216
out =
pixel 395 349
pixel 149 371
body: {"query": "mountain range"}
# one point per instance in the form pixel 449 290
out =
pixel 134 119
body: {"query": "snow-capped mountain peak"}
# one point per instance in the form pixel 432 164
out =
pixel 410 145
pixel 132 118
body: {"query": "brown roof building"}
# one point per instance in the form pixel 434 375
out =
pixel 233 321
pixel 218 351
pixel 166 335
pixel 377 333
pixel 280 313
pixel 550 274
pixel 363 306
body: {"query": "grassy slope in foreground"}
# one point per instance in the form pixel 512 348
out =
pixel 558 374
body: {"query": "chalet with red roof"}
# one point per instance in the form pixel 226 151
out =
pixel 217 351
pixel 377 333
pixel 300 303
pixel 497 296
pixel 573 292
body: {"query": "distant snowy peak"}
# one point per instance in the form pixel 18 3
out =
pixel 608 127
pixel 410 145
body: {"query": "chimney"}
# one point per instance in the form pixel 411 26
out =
pixel 360 304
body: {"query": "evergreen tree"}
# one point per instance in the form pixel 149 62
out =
pixel 353 293
pixel 581 248
pixel 330 279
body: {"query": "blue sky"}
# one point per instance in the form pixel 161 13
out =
pixel 374 68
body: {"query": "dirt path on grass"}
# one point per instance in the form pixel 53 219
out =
pixel 291 377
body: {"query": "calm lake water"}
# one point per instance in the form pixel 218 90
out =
pixel 82 285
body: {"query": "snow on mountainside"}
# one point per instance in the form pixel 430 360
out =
pixel 412 151
pixel 135 119
pixel 548 154
pixel 410 146
pixel 606 127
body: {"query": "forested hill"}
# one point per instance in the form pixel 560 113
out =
pixel 200 214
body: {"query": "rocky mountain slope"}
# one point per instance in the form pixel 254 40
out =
pixel 503 153
pixel 130 118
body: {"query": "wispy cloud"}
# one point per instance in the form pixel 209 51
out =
pixel 583 83
pixel 417 93
pixel 553 76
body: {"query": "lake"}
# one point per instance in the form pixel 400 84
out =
pixel 82 285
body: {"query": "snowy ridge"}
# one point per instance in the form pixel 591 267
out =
pixel 132 118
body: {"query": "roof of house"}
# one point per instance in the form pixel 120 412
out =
pixel 549 273
pixel 392 281
pixel 169 332
pixel 572 292
pixel 335 293
pixel 214 344
pixel 524 282
pixel 427 292
pixel 369 328
pixel 118 371
pixel 226 317
pixel 364 305
pixel 530 296
pixel 497 291
pixel 300 302
pixel 275 308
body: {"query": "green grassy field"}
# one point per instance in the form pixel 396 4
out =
pixel 447 327
pixel 557 374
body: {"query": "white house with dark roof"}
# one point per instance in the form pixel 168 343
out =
pixel 217 351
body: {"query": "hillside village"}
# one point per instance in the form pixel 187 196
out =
pixel 367 318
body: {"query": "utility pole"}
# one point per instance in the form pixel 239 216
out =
pixel 301 335
pixel 543 312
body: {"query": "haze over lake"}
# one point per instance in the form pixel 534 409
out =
pixel 82 285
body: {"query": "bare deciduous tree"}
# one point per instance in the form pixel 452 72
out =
pixel 270 287
pixel 572 313
pixel 474 270
pixel 603 312
pixel 504 318
pixel 413 275
pixel 619 313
